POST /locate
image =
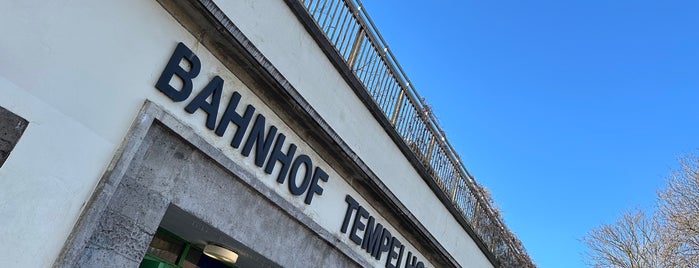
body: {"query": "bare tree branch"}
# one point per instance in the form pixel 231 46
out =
pixel 667 238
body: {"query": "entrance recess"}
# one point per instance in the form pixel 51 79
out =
pixel 167 250
pixel 167 177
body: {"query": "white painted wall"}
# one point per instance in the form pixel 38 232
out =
pixel 79 72
pixel 327 92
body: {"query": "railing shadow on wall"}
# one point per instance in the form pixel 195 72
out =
pixel 348 27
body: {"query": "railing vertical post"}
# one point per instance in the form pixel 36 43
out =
pixel 474 220
pixel 454 184
pixel 430 148
pixel 396 109
pixel 355 48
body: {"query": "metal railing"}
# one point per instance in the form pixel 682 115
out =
pixel 355 38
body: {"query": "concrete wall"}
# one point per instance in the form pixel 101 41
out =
pixel 79 71
pixel 167 170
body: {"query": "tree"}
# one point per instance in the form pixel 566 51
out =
pixel 633 241
pixel 679 207
pixel 667 238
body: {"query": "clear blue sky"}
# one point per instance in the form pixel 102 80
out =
pixel 568 111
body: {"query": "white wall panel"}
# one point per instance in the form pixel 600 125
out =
pixel 79 71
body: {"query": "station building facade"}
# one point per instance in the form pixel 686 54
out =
pixel 153 133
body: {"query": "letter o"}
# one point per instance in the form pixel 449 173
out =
pixel 301 159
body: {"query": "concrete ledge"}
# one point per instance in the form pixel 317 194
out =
pixel 163 163
pixel 11 128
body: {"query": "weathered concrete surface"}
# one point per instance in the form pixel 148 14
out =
pixel 168 171
pixel 11 128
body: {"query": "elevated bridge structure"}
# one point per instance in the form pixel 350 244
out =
pixel 212 133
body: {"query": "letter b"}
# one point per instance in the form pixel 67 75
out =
pixel 173 68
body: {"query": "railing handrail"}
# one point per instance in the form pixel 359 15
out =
pixel 415 97
pixel 377 81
